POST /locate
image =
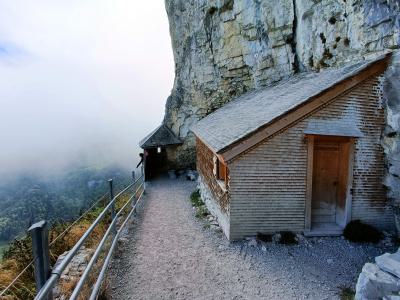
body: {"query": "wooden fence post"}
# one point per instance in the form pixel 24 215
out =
pixel 40 251
pixel 110 182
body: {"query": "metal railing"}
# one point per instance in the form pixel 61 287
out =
pixel 46 279
pixel 7 290
pixel 46 290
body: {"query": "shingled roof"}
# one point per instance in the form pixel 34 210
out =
pixel 248 113
pixel 161 136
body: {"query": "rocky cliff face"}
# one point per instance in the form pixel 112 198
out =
pixel 391 138
pixel 223 48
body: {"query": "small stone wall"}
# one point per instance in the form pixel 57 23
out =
pixel 380 280
pixel 212 206
pixel 72 273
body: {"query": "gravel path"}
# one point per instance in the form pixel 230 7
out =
pixel 169 254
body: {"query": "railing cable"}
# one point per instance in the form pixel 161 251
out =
pixel 100 278
pixel 80 218
pixel 57 271
pixel 30 264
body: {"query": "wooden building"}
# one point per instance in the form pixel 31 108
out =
pixel 303 155
pixel 158 148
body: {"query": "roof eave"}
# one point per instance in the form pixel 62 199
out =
pixel 160 145
pixel 142 143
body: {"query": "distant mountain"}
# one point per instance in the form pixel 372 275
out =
pixel 28 198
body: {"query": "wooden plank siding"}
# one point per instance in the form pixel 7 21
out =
pixel 205 166
pixel 268 182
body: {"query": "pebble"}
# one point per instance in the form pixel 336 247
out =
pixel 253 243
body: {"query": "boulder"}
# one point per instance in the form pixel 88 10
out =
pixel 300 237
pixel 389 263
pixel 211 218
pixel 391 297
pixel 374 284
pixel 276 238
pixel 191 175
pixel 252 243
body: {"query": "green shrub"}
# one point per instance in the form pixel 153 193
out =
pixel 287 238
pixel 264 237
pixel 358 232
pixel 347 293
pixel 195 198
pixel 201 212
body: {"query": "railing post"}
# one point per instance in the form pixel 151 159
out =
pixel 40 251
pixel 110 182
pixel 144 169
pixel 134 191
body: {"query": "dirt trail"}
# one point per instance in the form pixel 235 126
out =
pixel 170 255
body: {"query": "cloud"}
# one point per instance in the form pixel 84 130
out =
pixel 11 54
pixel 80 80
pixel 3 51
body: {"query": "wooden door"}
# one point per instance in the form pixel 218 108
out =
pixel 325 182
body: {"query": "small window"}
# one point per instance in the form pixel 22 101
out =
pixel 158 149
pixel 220 170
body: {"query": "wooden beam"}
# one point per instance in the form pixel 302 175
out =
pixel 310 166
pixel 349 192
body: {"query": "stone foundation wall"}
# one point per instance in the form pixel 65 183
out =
pixel 213 207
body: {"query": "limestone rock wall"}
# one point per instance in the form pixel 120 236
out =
pixel 391 139
pixel 223 48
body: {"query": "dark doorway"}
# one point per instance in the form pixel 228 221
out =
pixel 155 162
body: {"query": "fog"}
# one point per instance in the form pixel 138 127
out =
pixel 81 81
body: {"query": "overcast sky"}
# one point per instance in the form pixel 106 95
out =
pixel 80 78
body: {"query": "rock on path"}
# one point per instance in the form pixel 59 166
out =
pixel 169 254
